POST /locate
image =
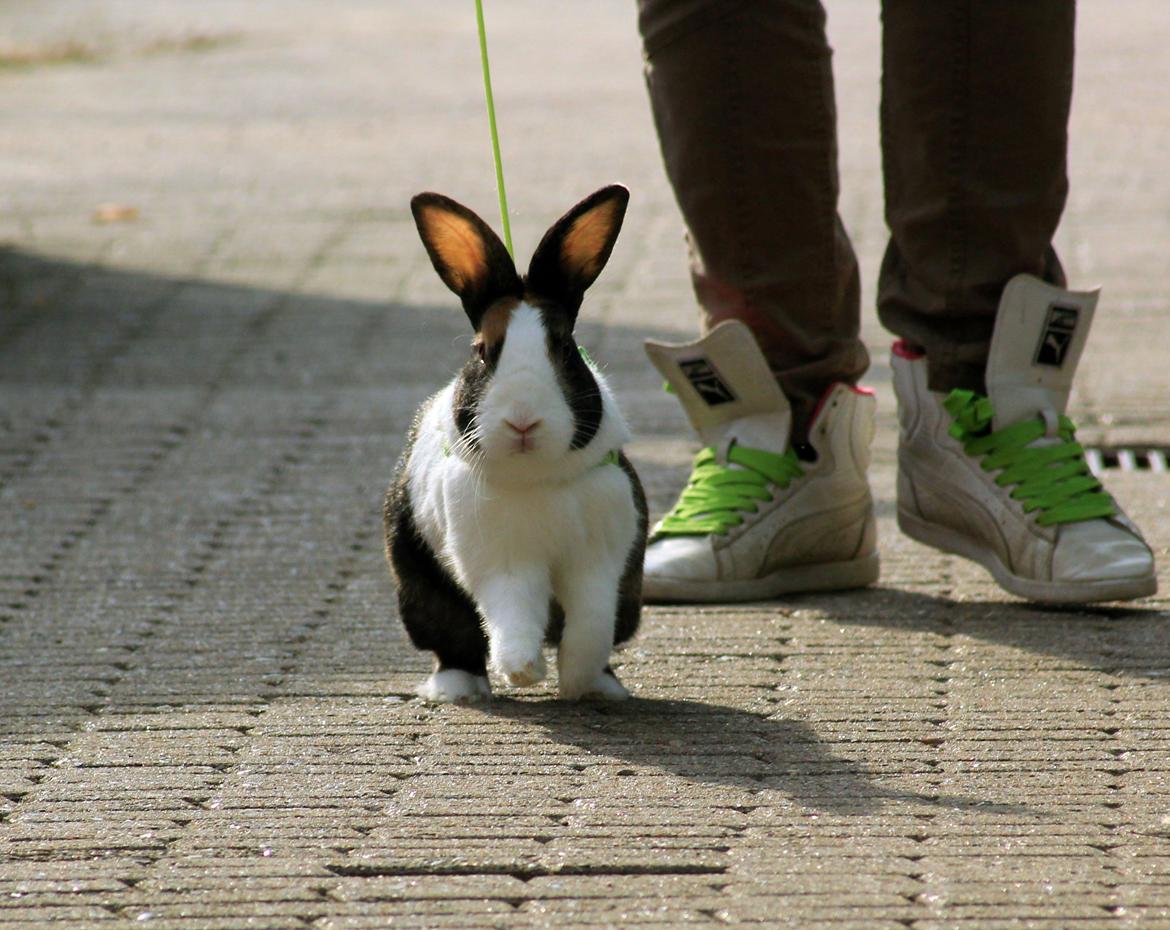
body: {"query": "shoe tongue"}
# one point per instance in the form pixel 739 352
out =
pixel 1039 334
pixel 726 388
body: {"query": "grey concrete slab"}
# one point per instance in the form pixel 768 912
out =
pixel 206 701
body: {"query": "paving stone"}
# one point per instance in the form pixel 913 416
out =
pixel 207 713
pixel 49 913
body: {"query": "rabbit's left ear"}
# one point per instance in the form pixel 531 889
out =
pixel 576 248
pixel 468 256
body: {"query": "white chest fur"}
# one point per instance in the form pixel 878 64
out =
pixel 482 529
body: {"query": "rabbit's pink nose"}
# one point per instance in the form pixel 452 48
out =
pixel 523 429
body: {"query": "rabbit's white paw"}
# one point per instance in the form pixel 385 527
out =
pixel 454 686
pixel 605 687
pixel 520 666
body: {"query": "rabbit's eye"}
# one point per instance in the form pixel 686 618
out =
pixel 481 351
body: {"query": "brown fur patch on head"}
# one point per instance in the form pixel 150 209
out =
pixel 457 244
pixel 495 322
pixel 584 249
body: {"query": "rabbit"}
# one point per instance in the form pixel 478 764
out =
pixel 514 518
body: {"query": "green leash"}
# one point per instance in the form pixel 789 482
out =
pixel 491 109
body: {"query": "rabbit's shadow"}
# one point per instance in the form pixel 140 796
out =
pixel 730 746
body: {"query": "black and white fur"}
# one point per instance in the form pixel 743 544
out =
pixel 509 524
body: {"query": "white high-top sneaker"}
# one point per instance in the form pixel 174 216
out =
pixel 1000 479
pixel 755 521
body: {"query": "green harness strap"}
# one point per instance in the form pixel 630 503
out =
pixel 491 111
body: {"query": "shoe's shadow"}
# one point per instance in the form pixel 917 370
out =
pixel 712 743
pixel 1127 641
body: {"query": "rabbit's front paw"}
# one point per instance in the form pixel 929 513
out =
pixel 454 686
pixel 604 687
pixel 519 666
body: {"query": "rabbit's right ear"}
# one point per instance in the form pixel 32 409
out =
pixel 468 256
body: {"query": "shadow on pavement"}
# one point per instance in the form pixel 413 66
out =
pixel 157 432
pixel 83 325
pixel 713 743
pixel 1128 641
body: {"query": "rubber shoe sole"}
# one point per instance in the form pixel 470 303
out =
pixel 795 579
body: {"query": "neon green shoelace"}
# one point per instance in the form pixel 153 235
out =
pixel 717 497
pixel 1053 478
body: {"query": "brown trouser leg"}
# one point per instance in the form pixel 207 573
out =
pixel 975 102
pixel 742 94
pixel 974 115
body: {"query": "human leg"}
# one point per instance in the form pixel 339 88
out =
pixel 974 128
pixel 975 105
pixel 742 95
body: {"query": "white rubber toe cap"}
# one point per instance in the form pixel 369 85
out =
pixel 1098 550
pixel 681 558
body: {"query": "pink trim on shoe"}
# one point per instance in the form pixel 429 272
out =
pixel 903 349
pixel 855 388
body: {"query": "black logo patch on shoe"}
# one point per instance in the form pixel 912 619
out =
pixel 1058 336
pixel 707 381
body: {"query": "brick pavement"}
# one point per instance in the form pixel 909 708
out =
pixel 205 700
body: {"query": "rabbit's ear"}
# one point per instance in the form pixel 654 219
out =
pixel 576 248
pixel 468 256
